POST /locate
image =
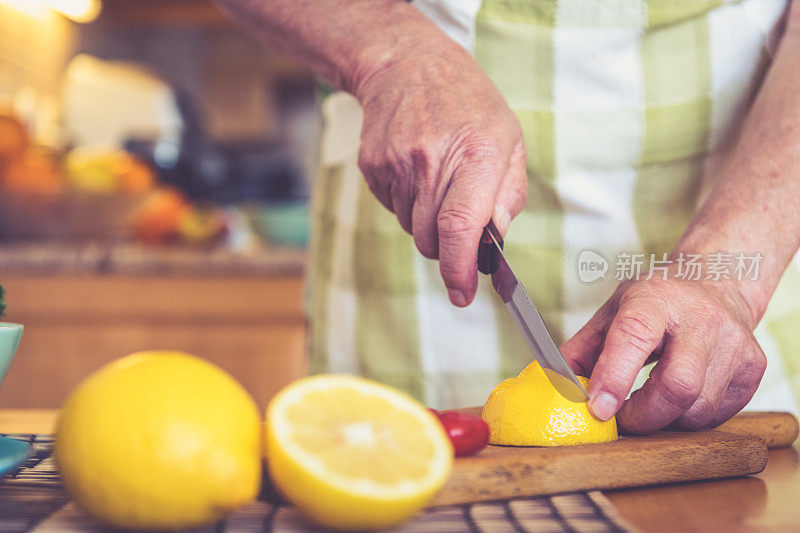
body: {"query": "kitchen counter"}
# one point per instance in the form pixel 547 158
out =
pixel 251 324
pixel 85 305
pixel 768 501
pixel 129 258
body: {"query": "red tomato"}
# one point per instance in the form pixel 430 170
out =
pixel 468 433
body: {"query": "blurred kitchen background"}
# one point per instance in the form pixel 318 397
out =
pixel 155 166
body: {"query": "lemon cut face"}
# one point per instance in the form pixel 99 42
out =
pixel 528 411
pixel 354 454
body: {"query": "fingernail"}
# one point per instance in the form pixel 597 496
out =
pixel 603 406
pixel 457 297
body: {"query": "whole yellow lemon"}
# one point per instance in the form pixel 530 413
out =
pixel 528 411
pixel 159 440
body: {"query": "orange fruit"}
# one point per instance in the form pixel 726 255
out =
pixel 37 171
pixel 158 218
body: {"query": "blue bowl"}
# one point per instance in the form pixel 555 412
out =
pixel 12 452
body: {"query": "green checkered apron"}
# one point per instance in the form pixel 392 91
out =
pixel 628 109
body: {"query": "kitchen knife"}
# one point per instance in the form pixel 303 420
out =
pixel 492 261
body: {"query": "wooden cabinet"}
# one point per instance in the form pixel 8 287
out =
pixel 252 327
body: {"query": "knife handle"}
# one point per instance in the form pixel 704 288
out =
pixel 488 262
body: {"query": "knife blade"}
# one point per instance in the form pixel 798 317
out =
pixel 529 322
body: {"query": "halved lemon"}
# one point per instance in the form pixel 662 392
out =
pixel 354 454
pixel 528 411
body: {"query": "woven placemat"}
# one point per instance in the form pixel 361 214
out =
pixel 32 499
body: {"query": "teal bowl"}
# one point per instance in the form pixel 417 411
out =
pixel 282 223
pixel 12 451
pixel 10 334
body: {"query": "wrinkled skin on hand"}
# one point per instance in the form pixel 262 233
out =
pixel 700 332
pixel 441 149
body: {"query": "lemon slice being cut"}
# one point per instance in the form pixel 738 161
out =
pixel 354 454
pixel 528 411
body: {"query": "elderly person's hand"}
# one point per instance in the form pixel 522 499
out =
pixel 441 149
pixel 709 363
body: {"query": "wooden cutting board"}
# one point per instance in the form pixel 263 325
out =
pixel 736 448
